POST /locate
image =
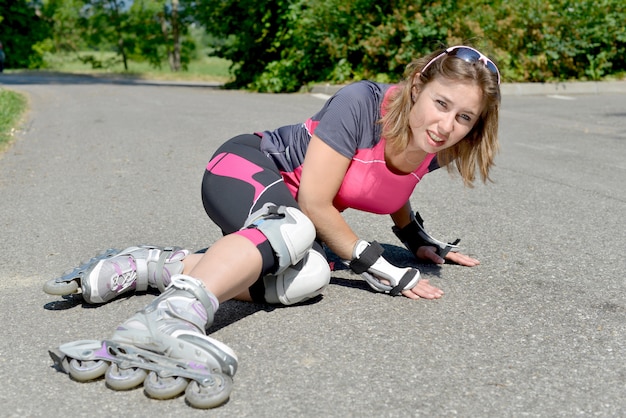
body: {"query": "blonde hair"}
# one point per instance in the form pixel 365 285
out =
pixel 477 151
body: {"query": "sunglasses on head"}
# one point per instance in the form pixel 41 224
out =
pixel 469 55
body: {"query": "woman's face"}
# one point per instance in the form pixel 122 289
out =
pixel 444 113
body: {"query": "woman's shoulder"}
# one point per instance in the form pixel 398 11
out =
pixel 365 95
pixel 365 88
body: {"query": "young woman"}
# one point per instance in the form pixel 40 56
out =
pixel 277 195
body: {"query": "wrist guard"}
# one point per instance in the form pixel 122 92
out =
pixel 369 263
pixel 414 236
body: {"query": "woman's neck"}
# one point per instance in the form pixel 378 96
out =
pixel 403 161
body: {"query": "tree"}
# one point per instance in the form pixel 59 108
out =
pixel 67 25
pixel 108 23
pixel 21 27
pixel 253 32
pixel 161 31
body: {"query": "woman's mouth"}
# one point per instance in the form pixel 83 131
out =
pixel 436 139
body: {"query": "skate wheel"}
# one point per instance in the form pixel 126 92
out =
pixel 52 287
pixel 124 379
pixel 209 395
pixel 158 387
pixel 86 370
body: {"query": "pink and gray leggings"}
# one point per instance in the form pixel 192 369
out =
pixel 239 180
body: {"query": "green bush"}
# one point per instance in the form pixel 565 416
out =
pixel 280 45
pixel 21 28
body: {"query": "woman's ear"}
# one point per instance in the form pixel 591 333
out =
pixel 415 87
pixel 416 79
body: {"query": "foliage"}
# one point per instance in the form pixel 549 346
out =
pixel 253 32
pixel 162 32
pixel 155 31
pixel 536 40
pixel 279 45
pixel 21 27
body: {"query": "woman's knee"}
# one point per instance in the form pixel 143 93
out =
pixel 303 281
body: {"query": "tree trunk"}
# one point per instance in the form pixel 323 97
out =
pixel 175 51
pixel 115 8
pixel 122 50
pixel 171 36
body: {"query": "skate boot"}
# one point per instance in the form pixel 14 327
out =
pixel 112 273
pixel 164 346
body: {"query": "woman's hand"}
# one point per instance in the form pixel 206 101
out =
pixel 423 289
pixel 429 253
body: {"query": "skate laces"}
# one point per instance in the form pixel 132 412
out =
pixel 123 279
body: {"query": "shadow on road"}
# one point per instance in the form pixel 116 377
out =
pixel 233 311
pixel 45 77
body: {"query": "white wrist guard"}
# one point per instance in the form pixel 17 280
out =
pixel 369 263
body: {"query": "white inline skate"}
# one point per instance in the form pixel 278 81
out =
pixel 114 272
pixel 164 347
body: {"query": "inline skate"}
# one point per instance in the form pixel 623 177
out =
pixel 113 272
pixel 164 347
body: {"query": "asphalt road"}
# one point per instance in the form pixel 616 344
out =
pixel 538 329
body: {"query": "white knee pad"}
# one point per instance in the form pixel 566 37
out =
pixel 300 282
pixel 289 231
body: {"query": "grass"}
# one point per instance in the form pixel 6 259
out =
pixel 204 68
pixel 12 107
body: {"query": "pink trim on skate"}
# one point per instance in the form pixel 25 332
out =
pixel 197 366
pixel 199 309
pixel 166 276
pixel 103 352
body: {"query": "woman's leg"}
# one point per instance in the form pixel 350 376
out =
pixel 240 181
pixel 228 268
pixel 171 331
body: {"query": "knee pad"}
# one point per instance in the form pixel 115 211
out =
pixel 288 230
pixel 300 282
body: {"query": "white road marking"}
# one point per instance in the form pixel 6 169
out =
pixel 559 97
pixel 321 96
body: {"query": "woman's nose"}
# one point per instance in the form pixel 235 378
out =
pixel 446 124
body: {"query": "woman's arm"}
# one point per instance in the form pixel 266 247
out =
pixel 402 217
pixel 322 174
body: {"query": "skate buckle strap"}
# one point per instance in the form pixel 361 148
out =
pixel 141 283
pixel 143 273
pixel 160 269
pixel 196 288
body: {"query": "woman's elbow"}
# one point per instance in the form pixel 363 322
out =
pixel 313 209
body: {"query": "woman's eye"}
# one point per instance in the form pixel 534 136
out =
pixel 465 117
pixel 442 103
